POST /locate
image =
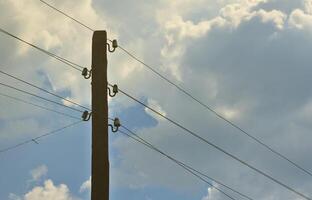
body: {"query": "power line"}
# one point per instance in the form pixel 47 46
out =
pixel 216 113
pixel 216 146
pixel 68 16
pixel 188 170
pixel 37 138
pixel 36 105
pixel 63 60
pixel 43 98
pixel 179 162
pixel 194 98
pixel 44 90
pixel 149 145
pixel 198 101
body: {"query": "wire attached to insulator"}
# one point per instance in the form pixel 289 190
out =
pixel 86 115
pixel 115 90
pixel 114 46
pixel 86 73
pixel 35 141
pixel 115 126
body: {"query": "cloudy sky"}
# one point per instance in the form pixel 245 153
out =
pixel 247 59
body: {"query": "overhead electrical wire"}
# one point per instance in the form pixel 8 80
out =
pixel 187 93
pixel 44 90
pixel 40 97
pixel 218 114
pixel 61 59
pixel 35 140
pixel 63 13
pixel 187 169
pixel 93 30
pixel 36 105
pixel 215 146
pixel 201 103
pixel 151 146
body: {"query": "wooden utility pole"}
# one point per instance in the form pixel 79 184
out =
pixel 100 162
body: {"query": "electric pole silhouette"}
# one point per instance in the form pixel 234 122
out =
pixel 100 162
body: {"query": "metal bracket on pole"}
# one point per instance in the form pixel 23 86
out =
pixel 114 45
pixel 86 116
pixel 115 90
pixel 116 125
pixel 86 73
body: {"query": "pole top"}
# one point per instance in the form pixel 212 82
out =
pixel 100 34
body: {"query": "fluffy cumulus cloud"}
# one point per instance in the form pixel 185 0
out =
pixel 38 24
pixel 52 37
pixel 301 18
pixel 48 191
pixel 86 186
pixel 239 59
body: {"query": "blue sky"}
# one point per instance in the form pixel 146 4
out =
pixel 250 60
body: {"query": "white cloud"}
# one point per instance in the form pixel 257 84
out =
pixel 229 113
pixel 39 172
pixel 48 191
pixel 240 67
pixel 60 35
pixel 187 29
pixel 300 20
pixel 308 6
pixel 238 56
pixel 212 194
pixel 180 33
pixel 40 25
pixel 155 105
pixel 275 16
pixel 86 186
